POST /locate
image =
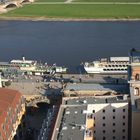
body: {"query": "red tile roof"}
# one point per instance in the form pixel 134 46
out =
pixel 8 99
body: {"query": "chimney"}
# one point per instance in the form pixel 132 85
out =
pixel 23 58
pixel 0 81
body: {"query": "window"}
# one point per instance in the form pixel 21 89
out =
pixel 103 117
pixel 2 126
pixel 136 91
pixel 123 110
pixel 123 137
pixel 113 110
pixel 103 131
pixel 6 120
pixel 103 124
pixel 113 130
pixel 103 111
pixel 113 137
pixel 113 124
pixel 123 117
pixel 123 123
pixel 137 77
pixel 93 111
pixel 104 138
pixel 94 118
pixel 113 117
pixel 123 130
pixel 90 116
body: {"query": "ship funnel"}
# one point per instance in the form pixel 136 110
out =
pixel 0 81
pixel 23 58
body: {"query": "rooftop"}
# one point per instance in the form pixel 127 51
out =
pixel 8 95
pixel 71 124
pixel 135 56
pixel 8 99
pixel 71 121
pixel 4 63
pixel 95 100
pixel 99 87
pixel 21 61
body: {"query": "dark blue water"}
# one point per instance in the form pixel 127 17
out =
pixel 67 43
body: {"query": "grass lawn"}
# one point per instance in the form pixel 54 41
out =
pixel 106 0
pixel 50 0
pixel 76 11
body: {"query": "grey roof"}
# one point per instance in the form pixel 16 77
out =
pixel 94 100
pixel 71 121
pixel 82 101
pixel 135 55
pixel 4 63
pixel 99 87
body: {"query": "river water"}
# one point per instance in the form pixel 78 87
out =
pixel 67 43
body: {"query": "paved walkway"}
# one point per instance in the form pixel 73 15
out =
pixel 2 10
pixel 86 3
pixel 68 1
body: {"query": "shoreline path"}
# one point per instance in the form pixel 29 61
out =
pixel 96 3
pixel 70 2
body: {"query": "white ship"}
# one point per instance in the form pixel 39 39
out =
pixel 112 65
pixel 25 65
pixel 30 67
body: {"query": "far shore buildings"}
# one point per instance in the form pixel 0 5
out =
pixel 12 109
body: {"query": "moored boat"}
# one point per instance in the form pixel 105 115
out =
pixel 112 65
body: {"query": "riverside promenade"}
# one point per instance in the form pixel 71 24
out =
pixel 52 85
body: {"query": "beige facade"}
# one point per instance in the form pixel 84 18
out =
pixel 110 121
pixel 135 125
pixel 135 70
pixel 135 100
pixel 68 93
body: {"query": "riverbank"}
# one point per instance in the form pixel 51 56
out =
pixel 66 19
pixel 74 12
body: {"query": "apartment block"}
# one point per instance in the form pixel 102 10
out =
pixel 92 118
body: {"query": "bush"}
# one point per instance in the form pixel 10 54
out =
pixel 8 83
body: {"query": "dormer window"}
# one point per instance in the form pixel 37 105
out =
pixel 136 91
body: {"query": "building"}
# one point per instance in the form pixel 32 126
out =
pixel 92 118
pixel 134 81
pixel 94 89
pixel 12 108
pixel 0 81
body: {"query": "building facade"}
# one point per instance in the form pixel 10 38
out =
pixel 92 118
pixel 110 120
pixel 134 82
pixel 12 108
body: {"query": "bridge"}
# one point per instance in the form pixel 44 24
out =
pixel 4 4
pixel 34 100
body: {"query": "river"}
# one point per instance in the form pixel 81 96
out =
pixel 67 43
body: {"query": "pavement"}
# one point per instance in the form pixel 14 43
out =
pixel 37 85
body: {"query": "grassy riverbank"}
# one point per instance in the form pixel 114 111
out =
pixel 87 11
